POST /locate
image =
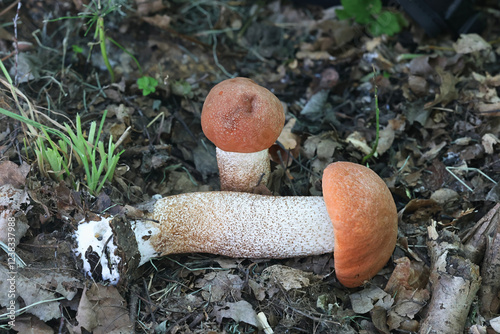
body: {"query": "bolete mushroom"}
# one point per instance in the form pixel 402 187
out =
pixel 243 120
pixel 238 224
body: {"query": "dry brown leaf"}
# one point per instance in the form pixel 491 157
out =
pixel 407 283
pixel 420 66
pixel 386 138
pixel 339 32
pixel 412 179
pixel 260 290
pixel 278 277
pixel 379 319
pixel 12 219
pixel 288 278
pixel 418 85
pixel 488 141
pixel 420 210
pixel 365 300
pixel 160 21
pixel 290 143
pixel 492 81
pixel 32 325
pixel 468 43
pixel 241 311
pixel 444 196
pixel 447 90
pixel 103 310
pixel 359 142
pixel 11 173
pixel 432 152
pixel 117 129
pixel 217 285
pixel 121 112
pixel 149 7
pixel 39 288
pixel 320 147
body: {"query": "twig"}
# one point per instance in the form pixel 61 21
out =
pixel 16 44
pixel 9 7
pixel 377 125
pixel 449 168
pixel 261 317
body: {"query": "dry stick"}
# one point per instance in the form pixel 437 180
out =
pixel 16 44
pixel 489 296
pixel 483 240
pixel 475 239
pixel 9 7
pixel 455 281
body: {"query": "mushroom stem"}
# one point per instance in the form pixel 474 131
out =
pixel 243 171
pixel 238 225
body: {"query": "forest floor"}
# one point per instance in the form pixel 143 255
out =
pixel 438 152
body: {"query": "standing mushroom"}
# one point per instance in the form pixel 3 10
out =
pixel 243 120
pixel 239 224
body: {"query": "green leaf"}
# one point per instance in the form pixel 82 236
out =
pixel 362 10
pixel 386 23
pixel 55 161
pixel 77 49
pixel 401 20
pixel 147 85
pixel 342 14
pixel 182 88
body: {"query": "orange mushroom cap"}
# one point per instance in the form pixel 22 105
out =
pixel 365 221
pixel 240 116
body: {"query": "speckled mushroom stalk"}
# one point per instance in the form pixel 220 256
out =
pixel 240 225
pixel 234 224
pixel 247 225
pixel 243 120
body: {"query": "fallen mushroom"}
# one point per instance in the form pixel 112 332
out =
pixel 248 225
pixel 243 120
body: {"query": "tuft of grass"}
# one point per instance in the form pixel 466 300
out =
pixel 86 150
pixel 98 162
pixel 54 157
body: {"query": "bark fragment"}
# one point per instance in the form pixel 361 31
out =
pixel 455 281
pixel 482 242
pixel 489 294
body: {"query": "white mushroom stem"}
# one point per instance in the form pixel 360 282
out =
pixel 229 223
pixel 243 171
pixel 241 225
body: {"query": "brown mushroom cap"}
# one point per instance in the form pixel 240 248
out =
pixel 365 221
pixel 240 116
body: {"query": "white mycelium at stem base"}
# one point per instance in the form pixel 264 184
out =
pixel 243 171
